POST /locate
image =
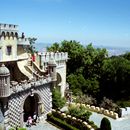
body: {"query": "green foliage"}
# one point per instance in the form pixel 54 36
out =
pixel 123 103
pixel 75 123
pixel 31 48
pixel 54 48
pixel 91 71
pixel 11 129
pixel 109 104
pixel 60 123
pixel 85 99
pixel 18 129
pixel 115 78
pixel 22 129
pixel 79 112
pixel 105 124
pixel 57 101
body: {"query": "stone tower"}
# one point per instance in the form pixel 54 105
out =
pixel 52 71
pixel 4 91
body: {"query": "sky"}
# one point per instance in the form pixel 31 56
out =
pixel 101 22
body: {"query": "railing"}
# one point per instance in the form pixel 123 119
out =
pixel 23 85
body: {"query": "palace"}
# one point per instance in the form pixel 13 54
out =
pixel 26 84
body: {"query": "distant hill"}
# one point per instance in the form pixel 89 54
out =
pixel 41 46
pixel 111 50
pixel 115 51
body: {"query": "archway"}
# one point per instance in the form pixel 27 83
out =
pixel 30 106
pixel 59 81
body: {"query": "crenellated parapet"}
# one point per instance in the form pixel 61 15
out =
pixel 19 40
pixel 11 27
pixel 8 30
pixel 58 56
pixel 42 59
pixel 12 45
pixel 23 41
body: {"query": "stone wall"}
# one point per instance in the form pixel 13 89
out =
pixel 14 116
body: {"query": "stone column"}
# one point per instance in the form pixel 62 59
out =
pixel 21 117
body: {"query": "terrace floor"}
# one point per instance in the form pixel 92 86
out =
pixel 118 124
pixel 43 126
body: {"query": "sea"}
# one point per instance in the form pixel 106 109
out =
pixel 112 51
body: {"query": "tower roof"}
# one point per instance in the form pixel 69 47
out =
pixel 4 70
pixel 52 62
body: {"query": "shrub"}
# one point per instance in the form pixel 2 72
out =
pixel 70 120
pixel 79 112
pixel 85 99
pixel 18 129
pixel 123 103
pixel 92 124
pixel 108 104
pixel 22 129
pixel 57 101
pixel 60 122
pixel 11 129
pixel 105 124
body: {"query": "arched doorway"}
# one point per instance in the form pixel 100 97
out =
pixel 30 106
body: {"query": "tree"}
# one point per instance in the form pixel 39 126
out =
pixel 54 48
pixel 109 104
pixel 83 67
pixel 115 81
pixel 31 48
pixel 105 124
pixel 57 101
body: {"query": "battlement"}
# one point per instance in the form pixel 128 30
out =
pixel 8 27
pixel 21 41
pixel 46 57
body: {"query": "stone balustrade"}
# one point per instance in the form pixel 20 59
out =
pixel 106 112
pixel 18 87
pixel 64 115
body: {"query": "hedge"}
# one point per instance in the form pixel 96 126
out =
pixel 18 129
pixel 72 121
pixel 60 122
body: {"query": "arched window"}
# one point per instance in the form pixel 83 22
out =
pixel 16 34
pixel 12 34
pixel 7 34
pixel 3 33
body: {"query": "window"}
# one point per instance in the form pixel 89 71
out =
pixel 9 50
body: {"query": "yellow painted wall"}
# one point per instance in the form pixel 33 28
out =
pixel 4 42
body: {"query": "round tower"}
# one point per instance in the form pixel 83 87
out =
pixel 4 81
pixel 52 69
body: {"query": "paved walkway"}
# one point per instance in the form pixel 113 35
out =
pixel 43 126
pixel 118 124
